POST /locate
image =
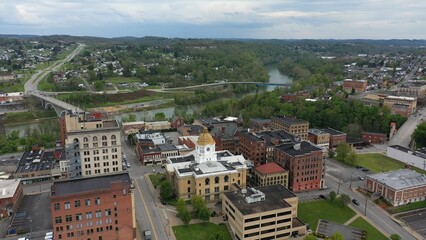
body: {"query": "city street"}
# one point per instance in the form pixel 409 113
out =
pixel 374 213
pixel 148 215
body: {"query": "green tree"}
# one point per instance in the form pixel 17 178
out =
pixel 343 150
pixel 160 116
pixel 182 210
pixel 197 203
pixel 336 236
pixel 395 237
pixel 310 237
pixel 186 217
pixel 166 190
pixel 419 135
pixel 204 214
pixel 344 199
pixel 332 195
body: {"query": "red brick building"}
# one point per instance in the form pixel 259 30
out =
pixel 10 196
pixel 336 137
pixel 398 187
pixel 305 163
pixel 374 138
pixel 357 85
pixel 94 208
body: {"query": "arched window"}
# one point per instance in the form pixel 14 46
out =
pixel 216 180
pixel 104 138
pixel 75 140
pixel 207 181
pixel 95 139
pixel 112 137
pixel 85 139
pixel 226 178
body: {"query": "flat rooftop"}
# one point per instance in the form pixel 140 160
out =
pixel 332 131
pixel 289 120
pixel 275 196
pixel 293 150
pixel 409 84
pixel 8 187
pixel 36 161
pixel 85 185
pixel 401 98
pixel 315 131
pixel 400 179
pixel 417 153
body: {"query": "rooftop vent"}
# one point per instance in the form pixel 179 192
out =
pixel 296 146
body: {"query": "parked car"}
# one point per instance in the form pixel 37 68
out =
pixel 128 164
pixel 365 170
pixel 358 167
pixel 355 202
pixel 147 234
pixel 361 178
pixel 322 196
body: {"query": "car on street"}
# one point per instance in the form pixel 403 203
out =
pixel 355 202
pixel 147 235
pixel 128 164
pixel 322 196
pixel 358 167
pixel 365 170
pixel 361 178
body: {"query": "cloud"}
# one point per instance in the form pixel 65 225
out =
pixel 225 18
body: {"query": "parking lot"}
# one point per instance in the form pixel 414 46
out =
pixel 33 215
pixel 416 220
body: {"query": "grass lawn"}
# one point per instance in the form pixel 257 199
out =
pixel 200 231
pixel 372 232
pixel 311 212
pixel 408 207
pixel 20 117
pixel 377 162
pixel 157 179
pixel 122 80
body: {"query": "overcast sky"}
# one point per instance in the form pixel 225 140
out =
pixel 283 19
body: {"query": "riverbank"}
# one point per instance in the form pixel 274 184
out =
pixel 14 118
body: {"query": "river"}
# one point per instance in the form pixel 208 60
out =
pixel 275 76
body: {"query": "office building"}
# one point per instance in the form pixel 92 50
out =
pixel 292 125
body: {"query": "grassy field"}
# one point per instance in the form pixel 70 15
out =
pixel 377 162
pixel 372 232
pixel 116 80
pixel 20 117
pixel 201 231
pixel 311 212
pixel 408 207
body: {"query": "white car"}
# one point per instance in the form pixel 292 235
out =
pixel 128 164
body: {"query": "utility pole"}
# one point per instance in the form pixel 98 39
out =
pixel 365 207
pixel 338 187
pixel 350 184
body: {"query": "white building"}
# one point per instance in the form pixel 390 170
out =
pixel 407 156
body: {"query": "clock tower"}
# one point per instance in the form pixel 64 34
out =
pixel 205 150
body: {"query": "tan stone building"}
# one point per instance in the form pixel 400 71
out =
pixel 320 138
pixel 98 142
pixel 205 171
pixel 413 88
pixel 292 125
pixel 270 174
pixel 405 106
pixel 268 212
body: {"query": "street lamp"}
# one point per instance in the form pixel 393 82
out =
pixel 31 229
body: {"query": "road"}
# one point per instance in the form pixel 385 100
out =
pixel 31 85
pixel 403 135
pixel 148 215
pixel 374 213
pixel 213 84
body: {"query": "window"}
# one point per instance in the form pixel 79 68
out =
pixel 216 180
pixel 77 203
pixel 108 212
pixel 189 189
pixel 95 139
pixel 58 219
pixel 207 181
pixel 104 138
pixel 207 190
pixel 113 137
pixel 226 179
pixel 78 217
pixel 67 205
pixel 88 215
pixel 56 206
pixel 216 189
pixel 225 188
pixel 97 200
pixel 87 202
pixel 68 218
pixel 85 139
pixel 98 213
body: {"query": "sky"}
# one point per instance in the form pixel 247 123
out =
pixel 261 19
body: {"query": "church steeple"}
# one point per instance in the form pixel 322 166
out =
pixel 206 150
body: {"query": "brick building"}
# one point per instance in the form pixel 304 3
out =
pixel 268 212
pixel 399 187
pixel 305 163
pixel 270 174
pixel 11 195
pixel 320 138
pixel 259 147
pixel 374 138
pixel 413 88
pixel 336 137
pixel 357 85
pixel 292 125
pixel 224 132
pixel 260 125
pixel 404 106
pixel 99 207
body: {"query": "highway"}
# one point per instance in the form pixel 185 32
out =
pixel 403 135
pixel 381 218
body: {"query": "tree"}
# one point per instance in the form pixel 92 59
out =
pixel 419 135
pixel 166 190
pixel 343 151
pixel 336 236
pixel 204 214
pixel 395 237
pixel 182 209
pixel 310 237
pixel 197 203
pixel 160 116
pixel 344 199
pixel 332 195
pixel 186 217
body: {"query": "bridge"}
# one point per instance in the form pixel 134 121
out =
pixel 47 101
pixel 258 84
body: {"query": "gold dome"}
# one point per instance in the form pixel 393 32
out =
pixel 205 138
